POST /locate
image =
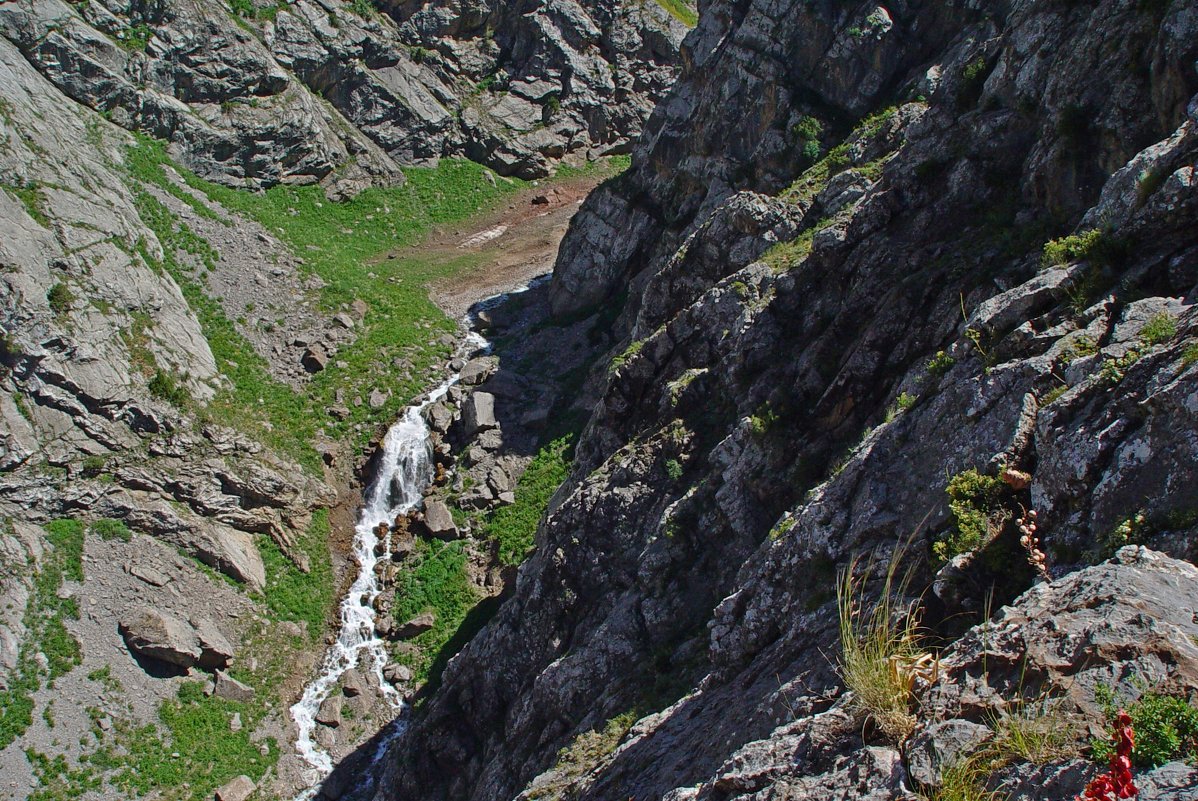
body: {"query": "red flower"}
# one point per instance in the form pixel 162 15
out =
pixel 1116 783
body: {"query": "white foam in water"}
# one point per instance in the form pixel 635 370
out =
pixel 405 469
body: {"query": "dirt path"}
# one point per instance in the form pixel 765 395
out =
pixel 511 244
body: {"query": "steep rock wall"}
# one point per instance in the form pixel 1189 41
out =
pixel 830 260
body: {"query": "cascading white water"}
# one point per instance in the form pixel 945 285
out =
pixel 405 469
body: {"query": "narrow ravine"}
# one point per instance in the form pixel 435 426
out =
pixel 405 470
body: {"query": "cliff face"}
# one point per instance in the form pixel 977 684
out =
pixel 862 251
pixel 258 93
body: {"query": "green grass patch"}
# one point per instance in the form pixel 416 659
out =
pixel 32 199
pixel 599 168
pixel 628 355
pixel 193 751
pixel 292 594
pixel 514 527
pixel 45 629
pixel 682 11
pixel 436 582
pixel 1161 327
pixel 342 243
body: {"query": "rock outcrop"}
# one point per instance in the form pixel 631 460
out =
pixel 863 250
pixel 341 93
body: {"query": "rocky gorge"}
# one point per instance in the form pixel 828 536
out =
pixel 848 452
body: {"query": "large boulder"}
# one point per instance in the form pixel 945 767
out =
pixel 237 789
pixel 478 413
pixel 155 635
pixel 438 520
pixel 216 650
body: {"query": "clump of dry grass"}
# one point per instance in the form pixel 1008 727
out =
pixel 880 653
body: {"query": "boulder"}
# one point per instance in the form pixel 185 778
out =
pixel 329 713
pixel 440 417
pixel 238 789
pixel 216 651
pixel 155 635
pixel 314 359
pixel 343 320
pixel 352 684
pixel 155 578
pixel 397 674
pixel 478 413
pixel 231 689
pixel 416 626
pixel 438 520
pixel 476 371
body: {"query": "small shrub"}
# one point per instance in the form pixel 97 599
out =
pixel 553 104
pixel 1166 729
pixel 902 403
pixel 880 648
pixel 763 420
pixel 673 469
pixel 975 504
pixel 1148 182
pixel 93 465
pixel 163 385
pixel 974 70
pixel 1161 327
pixel 363 8
pixel 109 529
pixel 940 364
pixel 1113 370
pixel 1096 246
pixel 60 298
pixel 807 132
pixel 1189 355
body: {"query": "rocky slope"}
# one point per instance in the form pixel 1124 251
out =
pixel 257 93
pixel 883 274
pixel 190 372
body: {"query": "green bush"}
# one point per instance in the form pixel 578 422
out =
pixel 93 465
pixel 1166 728
pixel 673 469
pixel 163 385
pixel 60 298
pixel 1096 246
pixel 975 504
pixel 940 364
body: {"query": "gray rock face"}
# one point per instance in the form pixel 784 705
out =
pixel 319 93
pixel 152 634
pixel 825 331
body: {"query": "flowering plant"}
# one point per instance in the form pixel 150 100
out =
pixel 1117 782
